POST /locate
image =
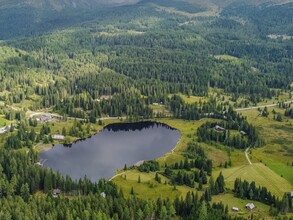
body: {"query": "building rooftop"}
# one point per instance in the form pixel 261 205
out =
pixel 250 206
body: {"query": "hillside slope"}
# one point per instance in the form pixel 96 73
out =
pixel 30 17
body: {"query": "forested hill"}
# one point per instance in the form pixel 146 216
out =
pixel 31 17
pixel 157 47
pixel 71 66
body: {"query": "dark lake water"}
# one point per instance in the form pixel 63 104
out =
pixel 109 150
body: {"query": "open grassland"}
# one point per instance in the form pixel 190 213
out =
pixel 217 155
pixel 261 174
pixel 210 11
pixel 284 170
pixel 258 172
pixel 261 210
pixel 188 130
pixel 148 188
pixel 238 158
pixel 244 102
pixel 27 103
pixel 277 153
pixel 282 97
pixel 193 99
pixel 24 104
pixel 159 109
pixel 276 158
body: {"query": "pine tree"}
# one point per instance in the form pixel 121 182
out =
pixel 221 183
pixel 139 214
pixel 147 212
pixel 132 191
pixel 163 213
pixel 203 213
pixel 24 192
pixel 284 207
pixel 250 194
pixel 212 185
pixel 138 179
pixel 64 131
pixel 48 182
pixel 200 183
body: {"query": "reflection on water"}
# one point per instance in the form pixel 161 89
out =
pixel 117 144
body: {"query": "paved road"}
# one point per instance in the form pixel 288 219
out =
pixel 246 155
pixel 262 106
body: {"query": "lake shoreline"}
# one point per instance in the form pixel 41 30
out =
pixel 147 139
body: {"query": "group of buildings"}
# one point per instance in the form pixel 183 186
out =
pixel 221 129
pixel 249 206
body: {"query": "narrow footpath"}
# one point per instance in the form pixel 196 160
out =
pixel 119 174
pixel 247 157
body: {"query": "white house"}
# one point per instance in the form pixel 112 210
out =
pixel 250 206
pixel 219 128
pixel 243 132
pixel 58 137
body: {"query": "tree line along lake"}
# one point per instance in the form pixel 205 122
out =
pixel 102 154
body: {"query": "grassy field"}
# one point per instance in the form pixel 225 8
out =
pixel 217 155
pixel 185 127
pixel 261 210
pixel 261 174
pixel 282 97
pixel 160 109
pixel 275 157
pixel 277 153
pixel 148 188
pixel 27 103
pixel 238 158
pixel 283 170
pixel 191 99
pixel 272 164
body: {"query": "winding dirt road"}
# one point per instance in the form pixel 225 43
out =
pixel 262 106
pixel 247 157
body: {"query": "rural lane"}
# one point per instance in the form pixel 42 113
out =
pixel 119 174
pixel 262 106
pixel 247 157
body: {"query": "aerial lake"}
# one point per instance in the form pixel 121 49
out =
pixel 109 150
